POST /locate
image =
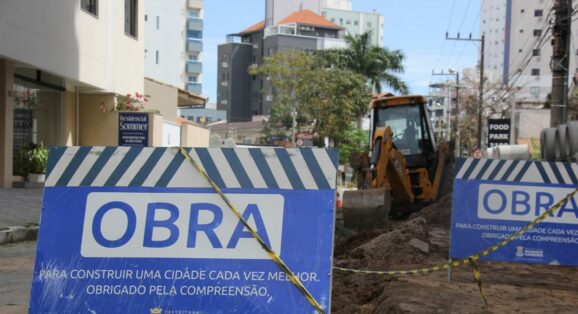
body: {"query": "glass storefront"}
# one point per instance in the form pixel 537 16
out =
pixel 37 118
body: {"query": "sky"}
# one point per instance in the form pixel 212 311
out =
pixel 416 27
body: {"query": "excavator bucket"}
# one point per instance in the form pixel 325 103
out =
pixel 366 209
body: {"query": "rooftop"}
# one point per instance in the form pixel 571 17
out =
pixel 303 17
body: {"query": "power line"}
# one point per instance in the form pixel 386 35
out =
pixel 447 28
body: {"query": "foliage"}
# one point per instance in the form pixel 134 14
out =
pixel 33 159
pixel 325 101
pixel 355 141
pixel 126 103
pixel 379 65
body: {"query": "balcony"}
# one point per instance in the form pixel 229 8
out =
pixel 195 88
pixel 195 24
pixel 196 4
pixel 194 45
pixel 194 67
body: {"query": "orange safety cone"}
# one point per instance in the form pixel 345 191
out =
pixel 339 201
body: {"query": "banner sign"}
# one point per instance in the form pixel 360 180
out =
pixel 139 230
pixel 498 132
pixel 133 129
pixel 493 199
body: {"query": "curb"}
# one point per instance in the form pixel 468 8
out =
pixel 13 234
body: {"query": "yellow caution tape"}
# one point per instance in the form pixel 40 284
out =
pixel 478 279
pixel 269 251
pixel 470 259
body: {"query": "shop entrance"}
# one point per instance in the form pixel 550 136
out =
pixel 37 119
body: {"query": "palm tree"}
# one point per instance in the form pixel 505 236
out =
pixel 378 64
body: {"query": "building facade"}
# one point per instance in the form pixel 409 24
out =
pixel 60 61
pixel 174 43
pixel 518 46
pixel 356 23
pixel 244 96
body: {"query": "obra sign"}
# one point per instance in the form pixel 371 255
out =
pixel 139 229
pixel 495 198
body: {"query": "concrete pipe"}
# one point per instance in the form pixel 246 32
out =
pixel 543 144
pixel 563 142
pixel 513 152
pixel 572 132
pixel 548 144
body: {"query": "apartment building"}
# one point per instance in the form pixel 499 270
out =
pixel 356 23
pixel 337 11
pixel 173 45
pixel 59 62
pixel 518 46
pixel 244 96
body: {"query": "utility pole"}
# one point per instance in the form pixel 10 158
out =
pixel 482 40
pixel 560 62
pixel 456 118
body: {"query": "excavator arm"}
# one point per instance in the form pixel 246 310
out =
pixel 388 167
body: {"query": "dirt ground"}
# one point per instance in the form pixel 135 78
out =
pixel 423 240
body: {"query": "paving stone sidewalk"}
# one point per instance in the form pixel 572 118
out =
pixel 19 214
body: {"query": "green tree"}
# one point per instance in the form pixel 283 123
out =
pixel 286 73
pixel 379 65
pixel 326 101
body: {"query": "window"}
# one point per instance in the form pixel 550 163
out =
pixel 521 30
pixel 538 12
pixel 537 32
pixel 195 34
pixel 536 52
pixel 355 23
pixel 333 20
pixel 535 72
pixel 195 13
pixel 192 78
pixel 157 57
pixel 90 6
pixel 193 57
pixel 130 17
pixel 534 90
pixel 158 22
pixel 348 22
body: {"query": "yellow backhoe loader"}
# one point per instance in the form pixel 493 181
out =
pixel 405 165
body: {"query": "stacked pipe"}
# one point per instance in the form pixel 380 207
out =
pixel 560 143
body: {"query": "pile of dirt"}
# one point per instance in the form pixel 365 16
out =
pixel 422 240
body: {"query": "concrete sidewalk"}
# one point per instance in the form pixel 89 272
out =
pixel 19 214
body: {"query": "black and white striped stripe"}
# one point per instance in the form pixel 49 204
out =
pixel 517 171
pixel 259 168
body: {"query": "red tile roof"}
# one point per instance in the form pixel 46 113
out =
pixel 308 17
pixel 304 17
pixel 254 28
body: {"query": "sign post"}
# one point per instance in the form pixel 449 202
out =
pixel 498 132
pixel 133 129
pixel 139 230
